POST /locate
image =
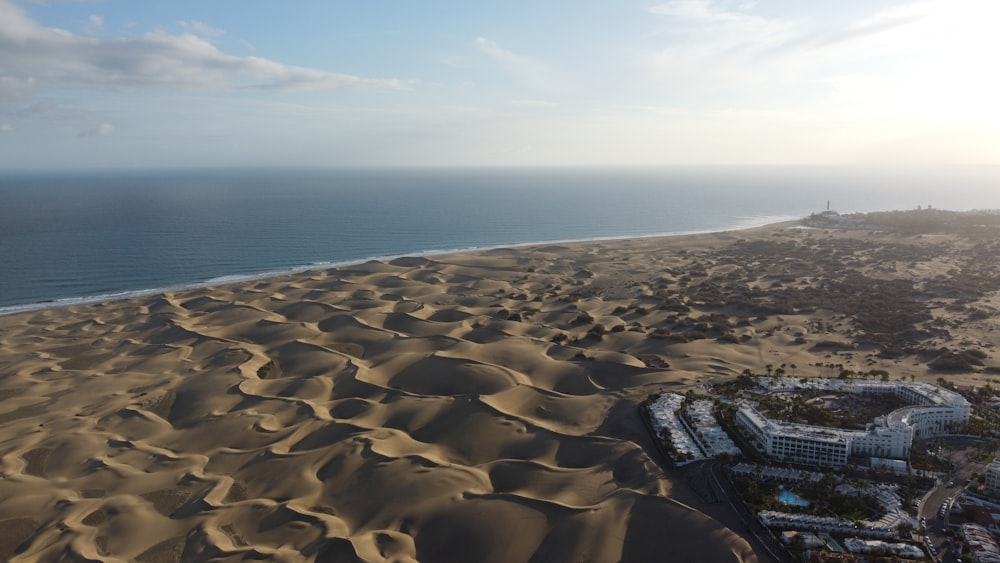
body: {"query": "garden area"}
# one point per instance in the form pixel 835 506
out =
pixel 839 410
pixel 822 498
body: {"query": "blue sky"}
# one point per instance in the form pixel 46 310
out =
pixel 122 83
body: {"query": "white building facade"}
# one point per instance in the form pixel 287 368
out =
pixel 934 411
pixel 992 478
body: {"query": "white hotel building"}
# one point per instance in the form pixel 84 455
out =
pixel 992 478
pixel 933 411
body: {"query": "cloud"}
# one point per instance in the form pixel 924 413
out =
pixel 32 53
pixel 880 22
pixel 916 70
pixel 38 108
pixel 15 90
pixel 532 104
pixel 6 128
pixel 202 29
pixel 717 27
pixel 710 47
pixel 494 50
pixel 102 130
pixel 95 24
pixel 534 72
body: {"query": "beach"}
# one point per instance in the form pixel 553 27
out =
pixel 476 406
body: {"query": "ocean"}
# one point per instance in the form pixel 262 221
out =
pixel 71 238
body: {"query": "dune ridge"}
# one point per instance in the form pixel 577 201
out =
pixel 465 407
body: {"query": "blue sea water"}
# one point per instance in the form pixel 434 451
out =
pixel 66 238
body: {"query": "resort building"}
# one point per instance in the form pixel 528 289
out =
pixel 903 550
pixel 933 411
pixel 692 432
pixel 799 443
pixel 979 544
pixel 665 418
pixel 992 478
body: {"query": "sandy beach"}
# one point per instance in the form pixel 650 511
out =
pixel 465 407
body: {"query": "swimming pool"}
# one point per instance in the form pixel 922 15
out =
pixel 792 499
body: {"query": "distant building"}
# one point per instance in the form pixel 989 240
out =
pixel 904 550
pixel 992 480
pixel 979 543
pixel 934 411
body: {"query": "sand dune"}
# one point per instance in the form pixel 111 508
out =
pixel 470 407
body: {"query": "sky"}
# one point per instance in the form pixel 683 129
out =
pixel 137 84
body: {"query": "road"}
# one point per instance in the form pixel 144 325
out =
pixel 947 491
pixel 929 507
pixel 761 540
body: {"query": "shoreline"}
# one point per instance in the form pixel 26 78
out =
pixel 470 406
pixel 126 294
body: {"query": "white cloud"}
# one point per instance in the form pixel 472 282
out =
pixel 102 130
pixel 6 128
pixel 914 78
pixel 494 50
pixel 533 72
pixel 31 53
pixel 15 90
pixel 532 104
pixel 95 24
pixel 38 107
pixel 896 55
pixel 709 48
pixel 202 29
pixel 880 22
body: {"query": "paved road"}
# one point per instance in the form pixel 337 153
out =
pixel 929 508
pixel 763 543
pixel 949 489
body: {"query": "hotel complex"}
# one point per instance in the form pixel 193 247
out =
pixel 932 411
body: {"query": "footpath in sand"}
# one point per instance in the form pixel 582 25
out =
pixel 470 407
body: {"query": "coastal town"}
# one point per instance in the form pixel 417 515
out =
pixel 846 489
